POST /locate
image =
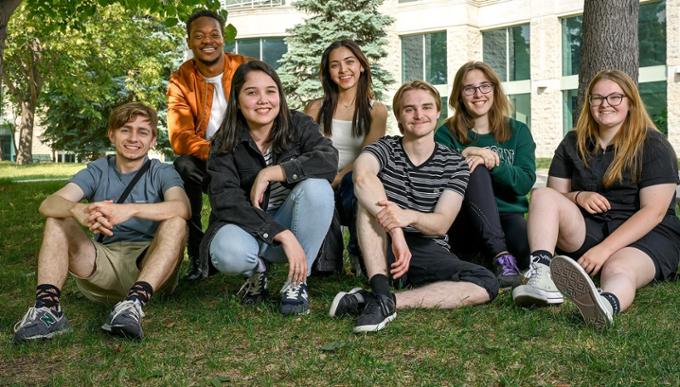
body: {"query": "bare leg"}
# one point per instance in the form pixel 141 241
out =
pixel 442 295
pixel 554 221
pixel 372 242
pixel 626 271
pixel 64 246
pixel 164 252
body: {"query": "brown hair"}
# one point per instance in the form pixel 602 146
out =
pixel 462 120
pixel 628 140
pixel 414 85
pixel 125 113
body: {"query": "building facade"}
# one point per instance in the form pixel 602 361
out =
pixel 534 46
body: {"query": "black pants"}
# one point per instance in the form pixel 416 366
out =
pixel 480 229
pixel 194 174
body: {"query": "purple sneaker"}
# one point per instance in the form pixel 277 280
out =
pixel 507 271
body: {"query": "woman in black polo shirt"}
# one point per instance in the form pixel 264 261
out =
pixel 609 207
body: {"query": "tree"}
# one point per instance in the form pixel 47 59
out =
pixel 329 21
pixel 610 40
pixel 38 29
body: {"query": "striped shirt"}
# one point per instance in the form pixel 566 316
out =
pixel 418 188
pixel 277 192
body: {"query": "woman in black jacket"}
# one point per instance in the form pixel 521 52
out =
pixel 270 191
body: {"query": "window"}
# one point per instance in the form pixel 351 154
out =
pixel 6 143
pixel 521 107
pixel 507 51
pixel 569 115
pixel 423 56
pixel 651 35
pixel 268 50
pixel 654 96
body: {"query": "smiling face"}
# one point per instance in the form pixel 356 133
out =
pixel 477 103
pixel 344 68
pixel 133 140
pixel 259 100
pixel 418 115
pixel 606 115
pixel 205 40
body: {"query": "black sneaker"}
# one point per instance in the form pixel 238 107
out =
pixel 194 272
pixel 507 271
pixel 125 320
pixel 255 289
pixel 39 323
pixel 348 303
pixel 379 311
pixel 294 299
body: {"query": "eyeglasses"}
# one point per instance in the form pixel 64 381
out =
pixel 612 99
pixel 484 88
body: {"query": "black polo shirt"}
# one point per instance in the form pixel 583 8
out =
pixel 659 166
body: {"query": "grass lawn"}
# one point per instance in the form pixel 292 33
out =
pixel 202 335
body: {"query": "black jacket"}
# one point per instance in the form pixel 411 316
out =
pixel 232 175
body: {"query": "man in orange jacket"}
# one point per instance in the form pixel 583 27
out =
pixel 197 101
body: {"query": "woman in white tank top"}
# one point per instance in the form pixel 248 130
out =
pixel 349 116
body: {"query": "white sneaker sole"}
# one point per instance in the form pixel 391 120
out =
pixel 376 327
pixel 576 284
pixel 525 295
pixel 336 301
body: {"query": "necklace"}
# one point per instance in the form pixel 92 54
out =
pixel 349 105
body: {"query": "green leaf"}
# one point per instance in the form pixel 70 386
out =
pixel 229 33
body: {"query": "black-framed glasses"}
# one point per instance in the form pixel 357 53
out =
pixel 613 99
pixel 484 88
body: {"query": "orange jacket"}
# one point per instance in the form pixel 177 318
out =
pixel 189 104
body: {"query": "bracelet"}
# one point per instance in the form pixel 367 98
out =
pixel 576 197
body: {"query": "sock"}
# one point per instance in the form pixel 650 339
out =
pixel 543 256
pixel 380 284
pixel 261 267
pixel 611 297
pixel 48 296
pixel 140 291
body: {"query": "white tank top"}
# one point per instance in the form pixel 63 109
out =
pixel 348 147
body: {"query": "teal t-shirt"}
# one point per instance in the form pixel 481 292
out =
pixel 102 181
pixel 514 177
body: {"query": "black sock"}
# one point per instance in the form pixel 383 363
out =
pixel 543 256
pixel 380 284
pixel 611 297
pixel 140 291
pixel 48 296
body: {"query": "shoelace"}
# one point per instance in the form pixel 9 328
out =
pixel 291 291
pixel 135 309
pixel 30 315
pixel 252 284
pixel 508 265
pixel 533 273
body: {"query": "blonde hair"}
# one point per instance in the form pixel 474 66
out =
pixel 413 85
pixel 125 113
pixel 628 140
pixel 462 120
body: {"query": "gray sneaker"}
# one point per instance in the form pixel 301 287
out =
pixel 348 303
pixel 125 320
pixel 39 323
pixel 576 284
pixel 540 290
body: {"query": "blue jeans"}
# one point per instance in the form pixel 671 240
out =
pixel 307 211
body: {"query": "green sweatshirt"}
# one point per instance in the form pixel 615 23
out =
pixel 516 174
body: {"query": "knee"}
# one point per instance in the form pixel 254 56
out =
pixel 228 255
pixel 316 194
pixel 173 228
pixel 544 195
pixel 63 224
pixel 480 174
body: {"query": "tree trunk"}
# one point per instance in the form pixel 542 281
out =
pixel 7 7
pixel 28 104
pixel 610 40
pixel 24 155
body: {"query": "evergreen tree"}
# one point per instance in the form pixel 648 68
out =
pixel 332 20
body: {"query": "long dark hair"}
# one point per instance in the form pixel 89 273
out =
pixel 361 120
pixel 281 134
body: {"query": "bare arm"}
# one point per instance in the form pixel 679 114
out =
pixel 592 202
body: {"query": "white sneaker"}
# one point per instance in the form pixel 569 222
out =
pixel 576 284
pixel 539 290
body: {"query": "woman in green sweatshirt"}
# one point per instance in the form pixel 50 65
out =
pixel 500 154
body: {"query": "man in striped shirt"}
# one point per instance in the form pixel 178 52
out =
pixel 410 190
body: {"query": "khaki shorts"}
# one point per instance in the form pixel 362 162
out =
pixel 116 270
